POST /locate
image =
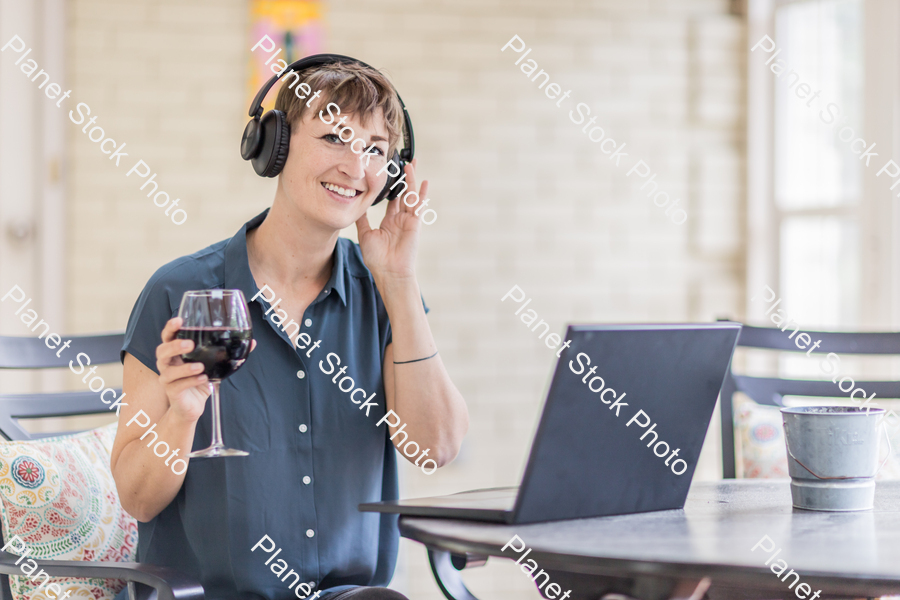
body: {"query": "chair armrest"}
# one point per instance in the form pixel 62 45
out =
pixel 169 583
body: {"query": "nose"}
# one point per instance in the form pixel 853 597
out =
pixel 352 165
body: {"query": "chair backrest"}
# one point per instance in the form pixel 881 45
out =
pixel 33 353
pixel 771 390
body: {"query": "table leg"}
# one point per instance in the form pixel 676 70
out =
pixel 447 576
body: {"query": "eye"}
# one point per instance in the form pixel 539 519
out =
pixel 332 138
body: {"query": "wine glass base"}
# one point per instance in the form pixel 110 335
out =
pixel 214 451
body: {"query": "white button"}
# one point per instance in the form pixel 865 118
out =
pixel 310 533
pixel 303 428
pixel 301 374
pixel 307 322
pixel 306 480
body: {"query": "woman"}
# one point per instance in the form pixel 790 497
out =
pixel 314 454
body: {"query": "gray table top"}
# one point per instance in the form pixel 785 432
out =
pixel 846 553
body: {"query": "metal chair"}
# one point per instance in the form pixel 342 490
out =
pixel 770 391
pixel 145 582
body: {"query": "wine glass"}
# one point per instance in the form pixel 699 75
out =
pixel 218 322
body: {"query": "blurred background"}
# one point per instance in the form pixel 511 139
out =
pixel 523 198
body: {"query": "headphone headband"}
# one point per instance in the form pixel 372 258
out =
pixel 316 60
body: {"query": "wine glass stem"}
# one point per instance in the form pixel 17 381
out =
pixel 216 421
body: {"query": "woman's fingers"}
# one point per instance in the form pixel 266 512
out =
pixel 410 170
pixel 174 348
pixel 171 346
pixel 423 191
pixel 393 206
pixel 176 389
pixel 171 329
pixel 362 227
pixel 169 354
pixel 175 375
pixel 175 372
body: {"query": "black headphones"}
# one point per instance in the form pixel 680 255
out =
pixel 267 136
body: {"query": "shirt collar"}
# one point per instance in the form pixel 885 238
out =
pixel 237 264
pixel 338 281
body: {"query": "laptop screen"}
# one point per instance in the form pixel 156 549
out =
pixel 624 420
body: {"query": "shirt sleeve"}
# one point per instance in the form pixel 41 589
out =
pixel 157 303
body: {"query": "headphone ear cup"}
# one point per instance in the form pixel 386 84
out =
pixel 282 144
pixel 275 133
pixel 250 141
pixel 386 191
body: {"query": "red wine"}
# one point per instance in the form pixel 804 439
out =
pixel 221 350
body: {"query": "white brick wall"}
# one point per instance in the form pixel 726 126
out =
pixel 522 196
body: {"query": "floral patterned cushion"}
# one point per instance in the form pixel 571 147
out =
pixel 761 436
pixel 59 497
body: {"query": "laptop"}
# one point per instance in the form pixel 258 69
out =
pixel 588 458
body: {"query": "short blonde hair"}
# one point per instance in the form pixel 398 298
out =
pixel 356 88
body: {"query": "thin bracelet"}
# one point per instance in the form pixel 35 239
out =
pixel 412 361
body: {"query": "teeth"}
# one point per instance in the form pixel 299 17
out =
pixel 339 190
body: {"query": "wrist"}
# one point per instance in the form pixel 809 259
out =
pixel 181 419
pixel 393 285
pixel 397 292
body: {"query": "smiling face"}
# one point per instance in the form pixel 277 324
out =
pixel 330 181
pixel 331 174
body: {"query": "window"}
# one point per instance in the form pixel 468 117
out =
pixel 817 179
pixel 823 229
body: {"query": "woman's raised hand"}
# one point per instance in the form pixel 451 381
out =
pixel 390 250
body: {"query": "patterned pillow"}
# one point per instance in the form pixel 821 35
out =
pixel 761 436
pixel 58 496
pixel 763 454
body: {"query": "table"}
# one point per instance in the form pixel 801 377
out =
pixel 849 554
